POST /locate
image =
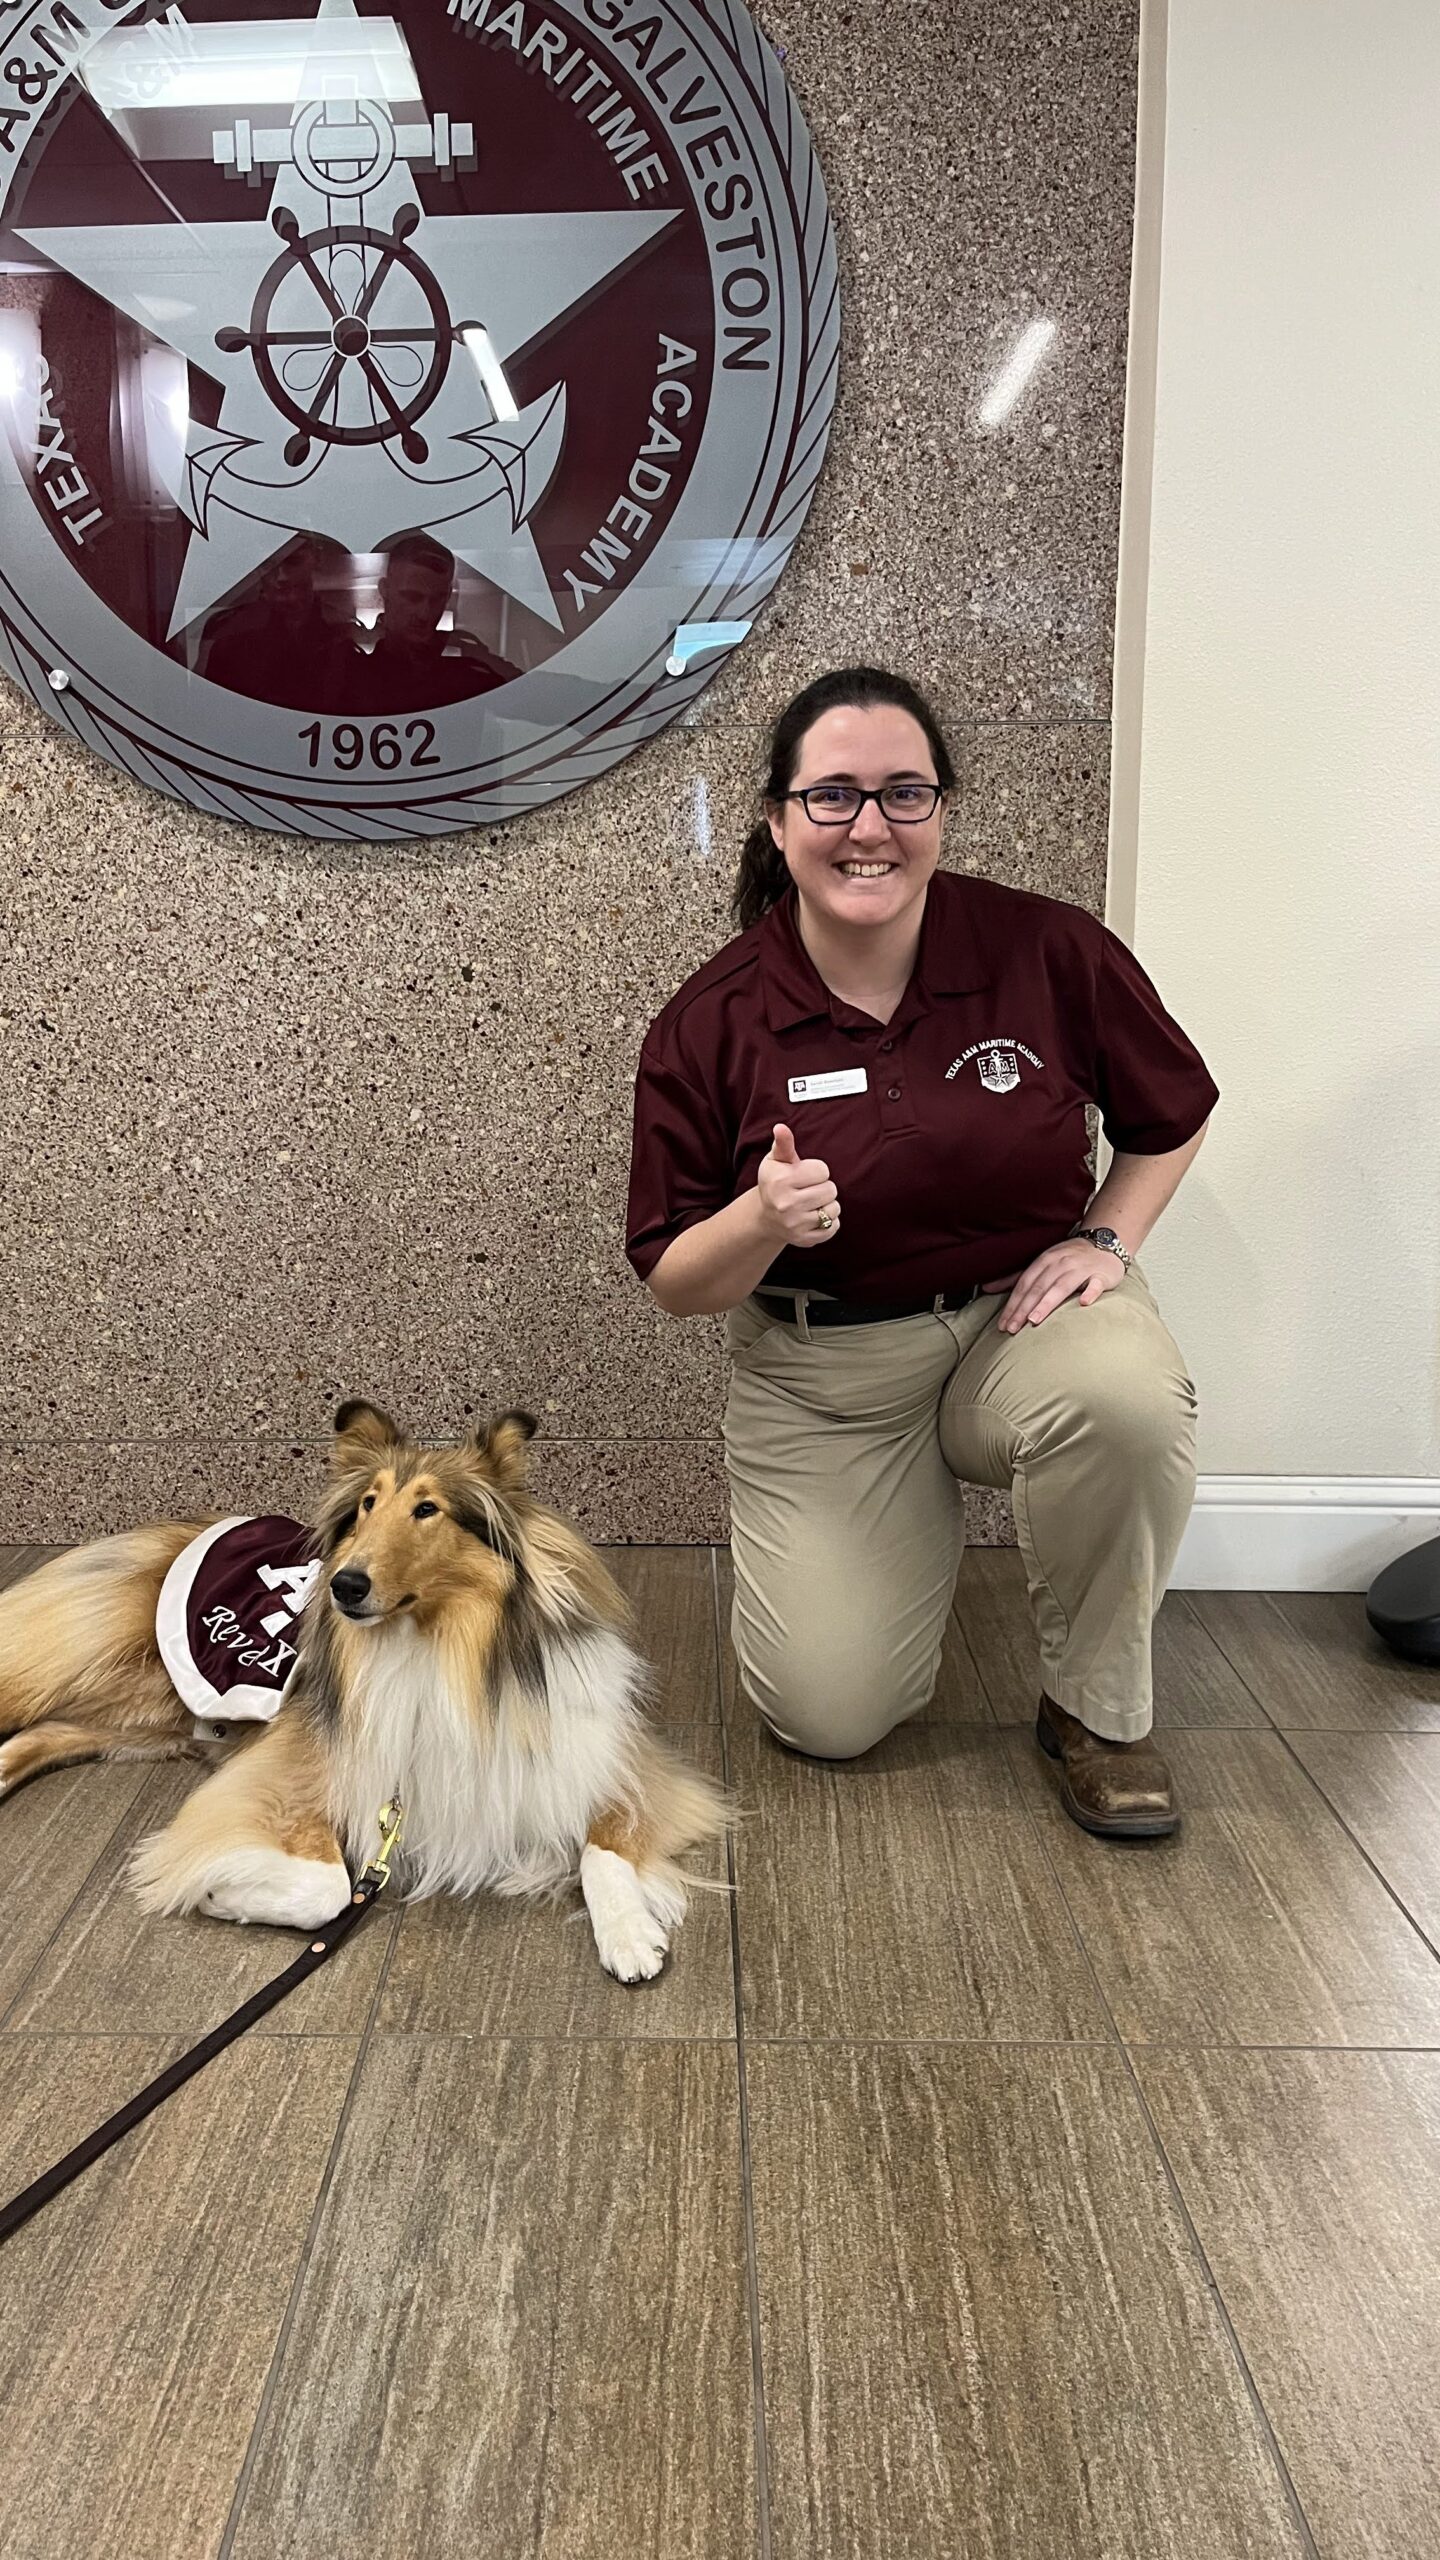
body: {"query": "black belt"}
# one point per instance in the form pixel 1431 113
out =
pixel 840 1311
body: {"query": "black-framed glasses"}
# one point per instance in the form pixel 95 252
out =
pixel 838 804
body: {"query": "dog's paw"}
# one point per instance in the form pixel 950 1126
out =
pixel 634 1951
pixel 277 1892
pixel 631 1940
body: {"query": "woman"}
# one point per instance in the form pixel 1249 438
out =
pixel 858 1127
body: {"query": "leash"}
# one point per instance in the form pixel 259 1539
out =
pixel 369 1884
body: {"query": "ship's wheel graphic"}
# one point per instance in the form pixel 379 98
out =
pixel 350 334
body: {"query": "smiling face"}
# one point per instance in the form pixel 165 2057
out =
pixel 873 870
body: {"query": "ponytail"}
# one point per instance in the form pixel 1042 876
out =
pixel 762 879
pixel 763 875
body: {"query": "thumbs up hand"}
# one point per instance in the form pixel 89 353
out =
pixel 798 1198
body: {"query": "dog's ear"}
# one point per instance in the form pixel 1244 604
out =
pixel 504 1442
pixel 362 1432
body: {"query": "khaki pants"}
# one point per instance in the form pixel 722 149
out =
pixel 843 1453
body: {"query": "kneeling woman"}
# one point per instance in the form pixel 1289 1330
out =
pixel 861 1130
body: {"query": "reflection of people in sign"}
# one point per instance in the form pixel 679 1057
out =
pixel 281 645
pixel 413 664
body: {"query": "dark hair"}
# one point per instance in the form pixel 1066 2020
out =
pixel 423 551
pixel 763 876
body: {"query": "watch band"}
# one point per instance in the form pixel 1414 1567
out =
pixel 1105 1238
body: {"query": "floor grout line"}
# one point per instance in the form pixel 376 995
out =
pixel 747 2185
pixel 169 2035
pixel 1262 2415
pixel 1067 2044
pixel 991 1721
pixel 307 2246
pixel 1328 1802
pixel 343 2035
pixel 103 1852
pixel 1202 1631
pixel 1265 1732
pixel 847 2042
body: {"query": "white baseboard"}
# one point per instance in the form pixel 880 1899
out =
pixel 1301 1533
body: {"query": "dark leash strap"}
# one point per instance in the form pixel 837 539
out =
pixel 368 1886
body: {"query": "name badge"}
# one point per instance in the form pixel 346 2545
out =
pixel 821 1088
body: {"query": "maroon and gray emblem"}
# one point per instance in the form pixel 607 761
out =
pixel 227 1621
pixel 404 407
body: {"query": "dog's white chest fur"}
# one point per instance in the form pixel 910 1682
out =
pixel 504 1800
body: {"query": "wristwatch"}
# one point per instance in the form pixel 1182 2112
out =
pixel 1106 1238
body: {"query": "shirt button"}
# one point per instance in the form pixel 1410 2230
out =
pixel 894 1093
pixel 885 1048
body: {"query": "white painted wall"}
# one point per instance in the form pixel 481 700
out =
pixel 1276 858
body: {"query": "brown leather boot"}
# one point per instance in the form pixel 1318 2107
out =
pixel 1121 1790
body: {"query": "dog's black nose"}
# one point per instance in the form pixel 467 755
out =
pixel 350 1587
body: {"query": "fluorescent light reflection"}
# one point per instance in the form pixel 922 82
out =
pixel 700 791
pixel 165 420
pixel 1030 348
pixel 491 372
pixel 277 62
pixel 20 374
pixel 369 569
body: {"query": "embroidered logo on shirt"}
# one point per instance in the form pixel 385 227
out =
pixel 998 1071
pixel 999 1062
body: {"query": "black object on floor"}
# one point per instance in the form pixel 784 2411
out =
pixel 1403 1603
pixel 321 1948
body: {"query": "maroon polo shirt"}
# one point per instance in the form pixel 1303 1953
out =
pixel 957 1141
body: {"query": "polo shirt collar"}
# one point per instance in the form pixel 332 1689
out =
pixel 952 960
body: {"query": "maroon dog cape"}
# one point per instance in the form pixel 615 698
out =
pixel 226 1619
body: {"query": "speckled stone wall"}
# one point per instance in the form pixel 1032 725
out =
pixel 283 1122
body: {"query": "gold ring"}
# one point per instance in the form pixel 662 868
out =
pixel 823 1218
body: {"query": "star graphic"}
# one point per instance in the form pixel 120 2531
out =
pixel 353 406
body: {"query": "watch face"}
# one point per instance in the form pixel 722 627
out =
pixel 405 405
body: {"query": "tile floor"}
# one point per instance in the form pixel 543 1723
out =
pixel 968 2189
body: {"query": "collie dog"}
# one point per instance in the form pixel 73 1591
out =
pixel 462 1648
